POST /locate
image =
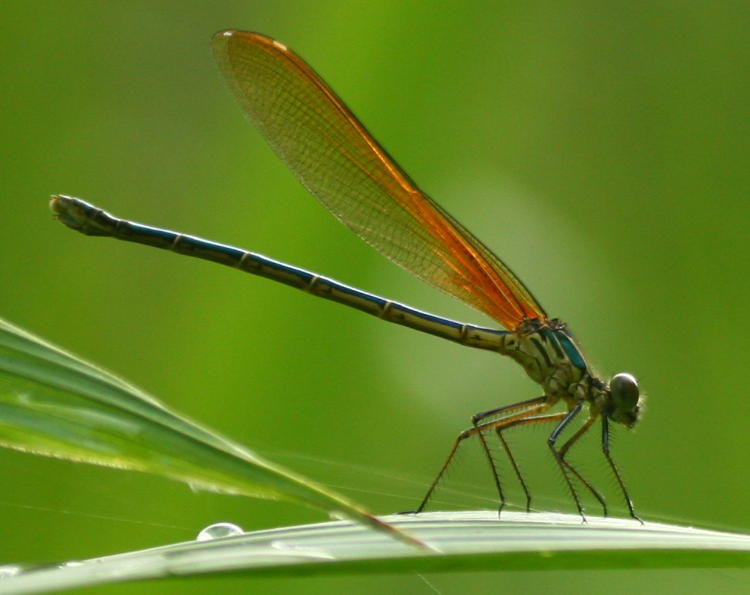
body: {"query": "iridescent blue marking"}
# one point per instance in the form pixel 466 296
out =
pixel 571 350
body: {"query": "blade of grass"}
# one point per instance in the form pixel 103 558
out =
pixel 53 403
pixel 469 541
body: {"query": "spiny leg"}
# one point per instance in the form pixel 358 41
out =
pixel 564 451
pixel 478 429
pixel 605 449
pixel 461 437
pixel 493 468
pixel 530 416
pixel 516 468
pixel 569 416
pixel 499 411
pixel 506 408
pixel 538 419
pixel 564 418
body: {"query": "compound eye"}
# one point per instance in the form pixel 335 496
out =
pixel 626 396
pixel 624 390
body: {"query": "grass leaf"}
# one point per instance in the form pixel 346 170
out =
pixel 466 541
pixel 53 403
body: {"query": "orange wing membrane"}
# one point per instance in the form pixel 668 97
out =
pixel 340 163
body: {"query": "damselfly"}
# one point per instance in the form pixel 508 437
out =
pixel 340 163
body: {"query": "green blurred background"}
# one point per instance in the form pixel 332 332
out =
pixel 599 148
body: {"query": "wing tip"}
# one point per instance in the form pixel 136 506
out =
pixel 223 37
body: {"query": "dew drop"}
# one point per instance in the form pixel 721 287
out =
pixel 218 530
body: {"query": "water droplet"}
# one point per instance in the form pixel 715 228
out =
pixel 218 530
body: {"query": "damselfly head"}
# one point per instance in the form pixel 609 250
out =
pixel 625 399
